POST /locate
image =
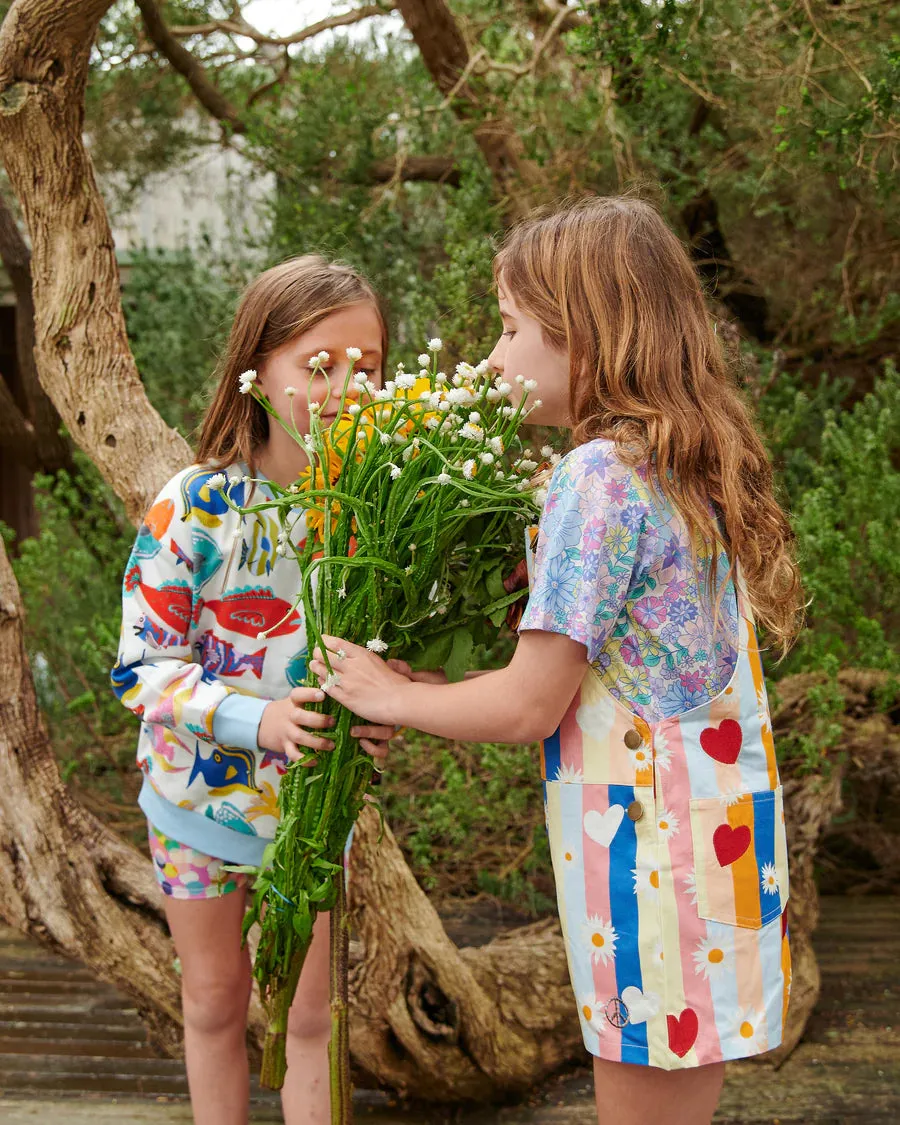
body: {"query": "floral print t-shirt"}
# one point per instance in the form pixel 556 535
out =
pixel 613 570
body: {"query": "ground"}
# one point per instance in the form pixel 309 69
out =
pixel 73 1052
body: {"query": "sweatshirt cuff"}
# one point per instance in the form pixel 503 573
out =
pixel 236 720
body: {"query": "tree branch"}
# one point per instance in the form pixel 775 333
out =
pixel 241 27
pixel 206 92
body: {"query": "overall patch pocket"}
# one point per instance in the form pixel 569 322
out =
pixel 740 858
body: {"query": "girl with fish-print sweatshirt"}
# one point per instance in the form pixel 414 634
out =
pixel 212 658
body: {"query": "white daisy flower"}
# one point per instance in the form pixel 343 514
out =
pixel 323 357
pixel 444 478
pixel 569 774
pixel 520 379
pixel 468 469
pixel 290 391
pixel 492 394
pixel 474 416
pixel 526 466
pixel 540 495
pixel 424 360
pixel 431 423
pixel 529 385
pixel 332 680
pixel 444 405
pixel 464 503
pixel 487 459
pixel 769 879
pixel 459 396
pixel 667 824
pixel 246 380
pixel 750 1031
pixel 641 758
pixel 600 937
pixel 507 411
pixel 376 644
pixel 361 379
pixel 315 407
pixel 504 388
pixel 710 958
pixel 217 480
pixel 354 355
pixel 384 438
pixel 342 592
pixel 395 471
pixel 496 444
pixel 405 382
pixel 646 880
pixel 435 345
pixel 546 451
pixel 482 367
pixel 354 408
pixel 662 754
pixel 690 886
pixel 440 378
pixel 234 480
pixel 591 1011
pixel 732 795
pixel 471 432
pixel 384 395
pixel 537 404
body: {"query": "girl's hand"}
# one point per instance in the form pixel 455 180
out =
pixel 281 728
pixel 363 682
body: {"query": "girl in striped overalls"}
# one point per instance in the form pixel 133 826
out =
pixel 659 543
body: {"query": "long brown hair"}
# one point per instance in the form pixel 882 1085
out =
pixel 282 303
pixel 611 284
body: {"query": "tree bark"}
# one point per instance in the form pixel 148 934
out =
pixel 447 58
pixel 81 348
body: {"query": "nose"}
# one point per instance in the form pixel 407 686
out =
pixel 495 359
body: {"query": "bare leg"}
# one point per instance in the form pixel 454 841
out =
pixel 215 990
pixel 305 1097
pixel 644 1095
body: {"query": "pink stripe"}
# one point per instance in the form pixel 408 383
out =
pixel 596 879
pixel 570 737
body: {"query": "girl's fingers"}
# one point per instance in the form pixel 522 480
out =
pixel 301 695
pixel 300 737
pixel 312 719
pixel 399 666
pixel 378 750
pixel 378 733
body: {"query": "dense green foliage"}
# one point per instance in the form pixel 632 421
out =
pixel 767 133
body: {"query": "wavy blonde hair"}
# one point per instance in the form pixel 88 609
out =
pixel 611 285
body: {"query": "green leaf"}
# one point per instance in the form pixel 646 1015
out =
pixel 460 655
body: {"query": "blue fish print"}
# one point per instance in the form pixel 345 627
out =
pixel 227 770
pixel 296 669
pixel 223 659
pixel 203 503
pixel 148 630
pixel 207 558
pixel 258 553
pixel 146 546
pixel 232 817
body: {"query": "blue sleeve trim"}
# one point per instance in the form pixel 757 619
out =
pixel 236 720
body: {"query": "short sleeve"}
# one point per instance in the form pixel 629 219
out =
pixel 586 547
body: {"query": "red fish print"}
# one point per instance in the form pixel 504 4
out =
pixel 730 843
pixel 682 1031
pixel 252 611
pixel 723 744
pixel 222 658
pixel 171 603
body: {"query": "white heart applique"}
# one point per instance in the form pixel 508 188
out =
pixel 602 826
pixel 641 1005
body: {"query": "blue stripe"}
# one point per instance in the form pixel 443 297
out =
pixel 552 755
pixel 764 842
pixel 623 906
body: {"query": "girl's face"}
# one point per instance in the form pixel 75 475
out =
pixel 356 326
pixel 522 350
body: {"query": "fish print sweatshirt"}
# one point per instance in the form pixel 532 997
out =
pixel 201 586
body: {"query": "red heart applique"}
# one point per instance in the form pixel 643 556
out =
pixel 723 743
pixel 682 1031
pixel 730 843
pixel 784 922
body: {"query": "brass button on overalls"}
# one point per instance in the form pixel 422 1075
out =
pixel 635 810
pixel 633 739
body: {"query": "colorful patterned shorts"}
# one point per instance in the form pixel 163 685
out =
pixel 183 872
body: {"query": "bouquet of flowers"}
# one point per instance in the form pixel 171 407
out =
pixel 414 501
